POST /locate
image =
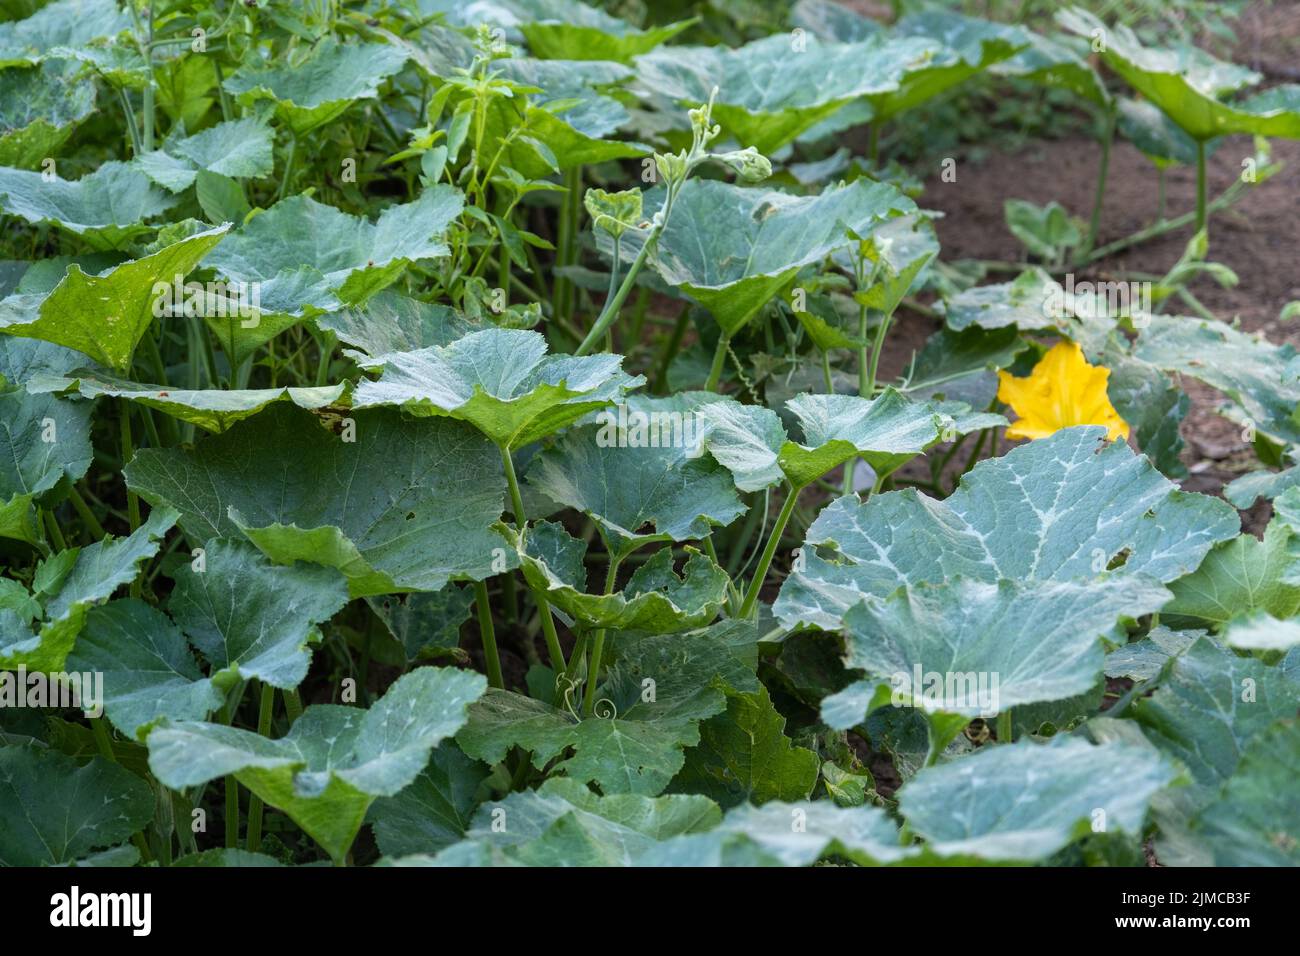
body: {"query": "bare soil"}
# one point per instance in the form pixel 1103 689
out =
pixel 1258 237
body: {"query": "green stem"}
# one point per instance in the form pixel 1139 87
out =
pixel 136 146
pixel 264 710
pixel 128 452
pixel 1201 208
pixel 149 120
pixel 598 642
pixel 864 389
pixel 612 305
pixel 876 349
pixel 87 516
pixel 326 343
pixel 565 254
pixel 52 528
pixel 1108 137
pixel 288 166
pixel 933 748
pixel 671 347
pixel 769 550
pixel 132 500
pixel 613 283
pixel 1004 727
pixel 553 649
pixel 232 785
pixel 488 633
pixel 150 348
pixel 99 729
pixel 826 373
pixel 610 311
pixel 292 706
pixel 719 357
pixel 1154 231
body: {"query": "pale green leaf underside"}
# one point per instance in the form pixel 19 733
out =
pixel 212 409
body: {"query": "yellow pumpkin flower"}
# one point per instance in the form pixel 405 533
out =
pixel 1062 390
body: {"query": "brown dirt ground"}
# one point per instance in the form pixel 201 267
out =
pixel 1257 238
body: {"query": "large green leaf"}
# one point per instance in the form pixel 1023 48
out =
pixel 502 382
pixel 561 29
pixel 1240 576
pixel 22 360
pixel 899 251
pixel 305 253
pixel 335 760
pixel 655 599
pixel 1158 137
pixel 435 810
pixel 43 440
pixel 1209 708
pixel 425 624
pixel 650 704
pixel 406 506
pixel 557 103
pixel 212 409
pixel 252 618
pixel 640 473
pixel 322 85
pixel 1187 84
pixel 1153 406
pixel 149 670
pixel 1248 369
pixel 392 322
pixel 563 823
pixel 992 646
pixel 1257 820
pixel 240 149
pixel 106 208
pixel 69 584
pixel 1022 802
pixel 39 109
pixel 751 443
pixel 961 47
pixel 57 812
pixel 106 315
pixel 886 431
pixel 1047 60
pixel 1061 508
pixel 744 756
pixel 733 248
pixel 770 91
pixel 1261 631
pixel 64 23
pixel 786 834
